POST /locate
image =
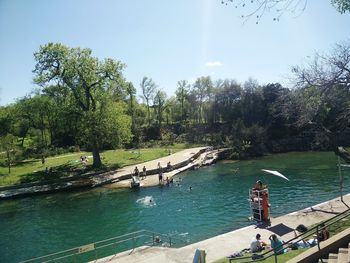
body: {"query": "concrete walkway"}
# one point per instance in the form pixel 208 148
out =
pixel 224 245
pixel 185 156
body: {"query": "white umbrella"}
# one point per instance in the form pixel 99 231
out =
pixel 275 173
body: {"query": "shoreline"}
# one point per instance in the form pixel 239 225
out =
pixel 181 161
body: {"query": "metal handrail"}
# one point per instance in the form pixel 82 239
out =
pixel 289 243
pixel 134 236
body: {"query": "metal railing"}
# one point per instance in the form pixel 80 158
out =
pixel 110 247
pixel 290 243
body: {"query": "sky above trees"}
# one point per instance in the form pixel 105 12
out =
pixel 163 40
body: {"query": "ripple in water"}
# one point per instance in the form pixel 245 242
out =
pixel 146 201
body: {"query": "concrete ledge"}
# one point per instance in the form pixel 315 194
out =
pixel 332 244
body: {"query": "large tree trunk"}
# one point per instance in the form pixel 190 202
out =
pixel 96 156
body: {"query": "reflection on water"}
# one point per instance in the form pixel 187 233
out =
pixel 39 225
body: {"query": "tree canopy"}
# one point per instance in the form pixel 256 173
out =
pixel 85 103
pixel 258 8
pixel 90 86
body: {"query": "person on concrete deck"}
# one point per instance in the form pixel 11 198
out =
pixel 144 172
pixel 169 167
pixel 136 171
pixel 256 245
pixel 276 244
pixel 265 205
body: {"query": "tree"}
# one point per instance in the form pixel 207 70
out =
pixel 341 5
pixel 228 99
pixel 181 94
pixel 159 102
pixel 8 145
pixel 201 90
pixel 258 8
pixel 252 103
pixel 131 91
pixel 85 77
pixel 148 88
pixel 326 82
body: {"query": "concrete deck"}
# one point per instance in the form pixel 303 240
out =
pixel 174 159
pixel 224 245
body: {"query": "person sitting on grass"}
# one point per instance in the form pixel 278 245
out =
pixel 257 245
pixel 303 243
pixel 323 233
pixel 276 245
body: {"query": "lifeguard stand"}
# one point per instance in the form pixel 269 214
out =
pixel 259 205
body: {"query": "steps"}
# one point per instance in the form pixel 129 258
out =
pixel 343 256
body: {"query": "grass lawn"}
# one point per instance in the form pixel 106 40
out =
pixel 69 164
pixel 281 258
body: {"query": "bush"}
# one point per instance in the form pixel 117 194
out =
pixel 74 149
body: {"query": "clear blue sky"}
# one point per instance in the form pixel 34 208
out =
pixel 165 40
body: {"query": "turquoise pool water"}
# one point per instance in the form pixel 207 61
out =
pixel 39 225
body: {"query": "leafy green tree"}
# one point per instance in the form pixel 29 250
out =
pixel 109 123
pixel 159 104
pixel 252 103
pixel 228 100
pixel 181 95
pixel 85 77
pixel 6 120
pixel 324 95
pixel 148 88
pixel 201 90
pixel 8 144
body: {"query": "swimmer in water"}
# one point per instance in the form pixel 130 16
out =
pixel 190 189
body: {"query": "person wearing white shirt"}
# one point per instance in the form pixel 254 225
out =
pixel 255 245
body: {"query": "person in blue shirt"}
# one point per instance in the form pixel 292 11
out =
pixel 276 244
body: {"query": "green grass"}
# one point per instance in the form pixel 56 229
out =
pixel 333 230
pixel 281 258
pixel 65 165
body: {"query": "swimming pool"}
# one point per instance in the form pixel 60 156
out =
pixel 39 225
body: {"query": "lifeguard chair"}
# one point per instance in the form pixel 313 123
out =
pixel 259 205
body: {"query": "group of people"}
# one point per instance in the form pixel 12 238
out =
pixel 322 235
pixel 137 172
pixel 162 181
pixel 257 245
pixel 160 174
